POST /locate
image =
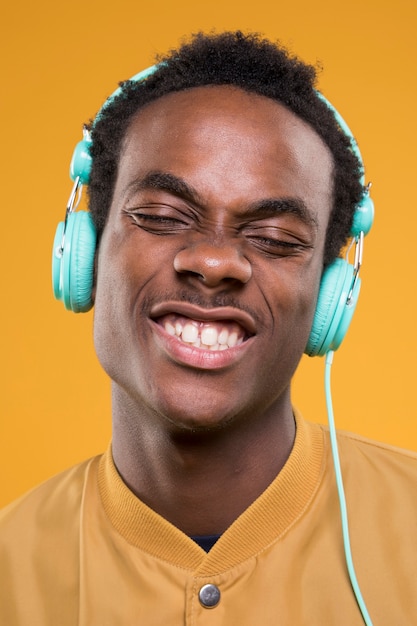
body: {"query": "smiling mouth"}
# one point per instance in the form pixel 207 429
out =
pixel 207 335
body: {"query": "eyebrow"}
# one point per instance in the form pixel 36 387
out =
pixel 270 207
pixel 164 181
pixel 266 207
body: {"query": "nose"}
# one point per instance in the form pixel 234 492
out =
pixel 213 264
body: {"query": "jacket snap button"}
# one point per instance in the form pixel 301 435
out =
pixel 209 596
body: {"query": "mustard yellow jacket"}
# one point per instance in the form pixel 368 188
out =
pixel 82 550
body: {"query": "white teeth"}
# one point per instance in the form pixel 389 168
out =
pixel 223 336
pixel 189 333
pixel 169 328
pixel 232 340
pixel 209 336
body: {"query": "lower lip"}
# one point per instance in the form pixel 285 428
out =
pixel 198 358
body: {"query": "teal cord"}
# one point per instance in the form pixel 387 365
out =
pixel 341 493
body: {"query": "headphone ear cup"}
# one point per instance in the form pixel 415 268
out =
pixel 333 311
pixel 73 268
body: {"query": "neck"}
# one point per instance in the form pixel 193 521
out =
pixel 200 481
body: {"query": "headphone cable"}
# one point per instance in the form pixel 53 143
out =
pixel 341 492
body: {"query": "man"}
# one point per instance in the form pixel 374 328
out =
pixel 221 188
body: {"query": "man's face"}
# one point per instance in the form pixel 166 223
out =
pixel 210 262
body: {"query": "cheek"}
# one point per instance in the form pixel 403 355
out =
pixel 113 301
pixel 126 271
pixel 124 264
pixel 292 302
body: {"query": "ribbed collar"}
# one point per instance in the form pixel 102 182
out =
pixel 265 521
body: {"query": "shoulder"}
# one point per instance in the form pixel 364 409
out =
pixel 39 550
pixel 54 502
pixel 370 462
pixel 377 450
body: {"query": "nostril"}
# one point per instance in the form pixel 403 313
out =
pixel 213 264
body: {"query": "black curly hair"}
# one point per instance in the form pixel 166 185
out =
pixel 254 64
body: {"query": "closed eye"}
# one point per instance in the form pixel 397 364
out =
pixel 277 247
pixel 277 241
pixel 159 221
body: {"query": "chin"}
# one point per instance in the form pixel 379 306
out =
pixel 201 425
pixel 197 418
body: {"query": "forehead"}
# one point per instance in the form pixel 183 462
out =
pixel 223 139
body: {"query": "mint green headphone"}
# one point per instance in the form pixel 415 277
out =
pixel 75 244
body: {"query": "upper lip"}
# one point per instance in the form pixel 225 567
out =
pixel 201 314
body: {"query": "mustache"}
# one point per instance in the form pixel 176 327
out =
pixel 220 299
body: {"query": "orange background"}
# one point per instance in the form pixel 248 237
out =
pixel 59 62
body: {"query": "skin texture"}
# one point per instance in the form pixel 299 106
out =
pixel 219 213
